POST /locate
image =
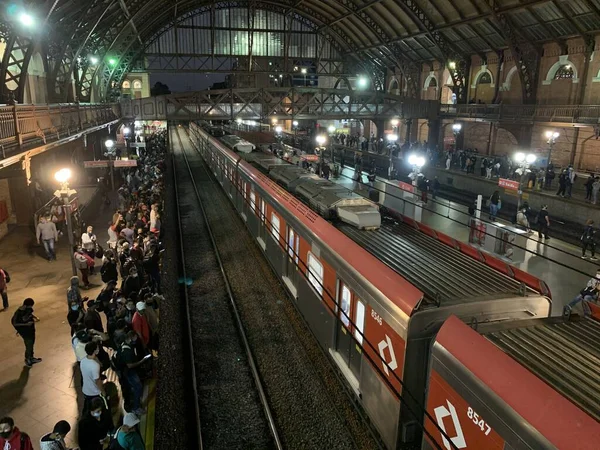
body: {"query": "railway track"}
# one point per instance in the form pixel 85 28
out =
pixel 310 409
pixel 232 408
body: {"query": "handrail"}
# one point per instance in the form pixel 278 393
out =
pixel 537 113
pixel 25 124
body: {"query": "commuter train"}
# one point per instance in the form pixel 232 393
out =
pixel 397 328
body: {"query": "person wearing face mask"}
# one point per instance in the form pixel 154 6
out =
pixel 23 321
pixel 140 324
pixel 131 285
pixel 95 427
pixel 88 242
pixel 130 311
pixel 93 387
pixel 11 437
pixel 75 316
pixel 92 319
pixel 128 436
pixel 56 439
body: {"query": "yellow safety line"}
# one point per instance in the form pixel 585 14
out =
pixel 150 415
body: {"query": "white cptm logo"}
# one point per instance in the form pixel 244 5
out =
pixel 441 412
pixel 387 343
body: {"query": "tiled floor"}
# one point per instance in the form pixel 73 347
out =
pixel 39 397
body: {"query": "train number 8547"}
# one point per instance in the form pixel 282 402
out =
pixel 478 421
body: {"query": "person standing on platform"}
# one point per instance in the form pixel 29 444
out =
pixel 56 439
pixel 588 240
pixel 595 189
pixel 4 280
pixel 82 263
pixel 47 233
pixel 435 187
pixel 588 187
pixel 543 222
pixel 562 183
pixel 95 427
pixel 88 242
pixel 128 436
pixel 495 205
pixel 93 387
pixel 24 322
pixel 11 437
pixel 571 177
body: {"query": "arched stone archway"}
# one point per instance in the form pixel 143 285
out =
pixel 483 86
pixel 394 86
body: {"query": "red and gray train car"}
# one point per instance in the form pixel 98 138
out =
pixel 428 332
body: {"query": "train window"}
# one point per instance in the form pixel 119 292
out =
pixel 263 210
pixel 345 305
pixel 293 244
pixel 315 273
pixel 359 321
pixel 275 226
pixel 244 186
pixel 252 200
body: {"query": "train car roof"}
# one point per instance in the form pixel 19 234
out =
pixel 402 293
pixel 555 417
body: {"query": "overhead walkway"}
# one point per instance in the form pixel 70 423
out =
pixel 28 130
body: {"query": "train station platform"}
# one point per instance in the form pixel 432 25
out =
pixel 556 262
pixel 38 397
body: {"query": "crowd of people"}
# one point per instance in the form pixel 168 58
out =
pixel 117 330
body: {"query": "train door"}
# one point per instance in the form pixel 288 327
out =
pixel 351 315
pixel 291 262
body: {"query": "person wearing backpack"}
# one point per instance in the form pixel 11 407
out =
pixel 128 436
pixel 588 240
pixel 11 437
pixel 56 439
pixel 4 280
pixel 23 321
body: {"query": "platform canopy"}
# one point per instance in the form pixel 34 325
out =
pixel 99 41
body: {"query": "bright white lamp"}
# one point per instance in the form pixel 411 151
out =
pixel 63 175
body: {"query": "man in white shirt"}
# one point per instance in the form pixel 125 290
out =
pixel 93 386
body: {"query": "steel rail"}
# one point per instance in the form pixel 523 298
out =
pixel 186 298
pixel 238 319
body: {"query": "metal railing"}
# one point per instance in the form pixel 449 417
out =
pixel 585 114
pixel 23 124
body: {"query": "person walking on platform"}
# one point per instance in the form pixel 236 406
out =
pixel 11 437
pixel 588 240
pixel 543 222
pixel 47 233
pixel 24 321
pixel 495 205
pixel 588 294
pixel 4 280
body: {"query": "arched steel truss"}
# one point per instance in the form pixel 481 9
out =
pixel 371 36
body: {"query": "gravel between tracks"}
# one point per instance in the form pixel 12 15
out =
pixel 310 406
pixel 173 427
pixel 230 410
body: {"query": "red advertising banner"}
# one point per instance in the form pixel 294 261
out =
pixel 125 163
pixel 406 187
pixel 508 184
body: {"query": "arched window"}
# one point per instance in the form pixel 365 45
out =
pixel 485 78
pixel 126 84
pixel 564 72
pixel 137 84
pixel 432 83
pixel 394 86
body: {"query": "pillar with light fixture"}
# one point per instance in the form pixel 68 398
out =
pixel 321 141
pixel 523 160
pixel 126 136
pixel 392 139
pixel 551 137
pixel 110 144
pixel 63 176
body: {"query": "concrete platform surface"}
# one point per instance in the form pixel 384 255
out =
pixel 38 397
